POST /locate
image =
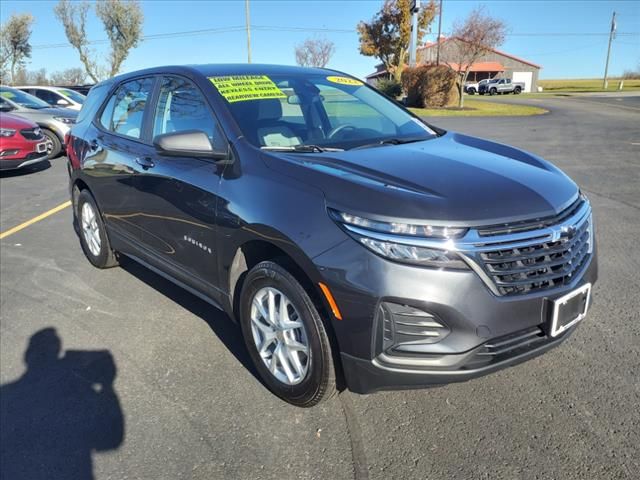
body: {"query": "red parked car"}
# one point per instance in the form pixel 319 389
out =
pixel 21 142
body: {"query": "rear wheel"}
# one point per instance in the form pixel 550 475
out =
pixel 493 91
pixel 93 234
pixel 54 145
pixel 286 337
pixel 471 91
pixel 517 90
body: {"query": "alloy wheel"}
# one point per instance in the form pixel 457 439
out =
pixel 279 336
pixel 90 229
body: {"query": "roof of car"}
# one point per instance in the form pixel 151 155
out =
pixel 221 69
pixel 41 87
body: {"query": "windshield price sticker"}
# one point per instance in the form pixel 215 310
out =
pixel 344 80
pixel 240 88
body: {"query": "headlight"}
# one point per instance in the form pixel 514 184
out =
pixel 414 255
pixel 402 251
pixel 67 120
pixel 7 132
pixel 427 231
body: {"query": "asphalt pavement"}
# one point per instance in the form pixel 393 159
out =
pixel 118 374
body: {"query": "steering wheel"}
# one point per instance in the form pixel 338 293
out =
pixel 338 129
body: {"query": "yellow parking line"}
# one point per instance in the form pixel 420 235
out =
pixel 42 216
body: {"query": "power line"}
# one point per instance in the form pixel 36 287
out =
pixel 268 28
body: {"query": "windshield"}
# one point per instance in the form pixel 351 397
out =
pixel 72 94
pixel 323 111
pixel 21 98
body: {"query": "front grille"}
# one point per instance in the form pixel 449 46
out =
pixel 508 346
pixel 31 133
pixel 540 265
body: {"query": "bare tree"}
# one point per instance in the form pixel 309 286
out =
pixel 122 21
pixel 314 52
pixel 37 77
pixel 15 47
pixel 70 76
pixel 476 36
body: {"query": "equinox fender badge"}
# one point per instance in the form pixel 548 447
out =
pixel 200 245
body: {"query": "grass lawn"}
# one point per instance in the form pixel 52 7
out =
pixel 480 108
pixel 586 85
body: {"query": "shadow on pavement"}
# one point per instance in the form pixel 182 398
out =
pixel 59 412
pixel 227 331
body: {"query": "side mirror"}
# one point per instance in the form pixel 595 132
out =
pixel 63 103
pixel 188 143
pixel 5 107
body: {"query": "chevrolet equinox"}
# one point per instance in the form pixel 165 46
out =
pixel 354 243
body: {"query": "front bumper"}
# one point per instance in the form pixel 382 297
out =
pixel 487 332
pixel 366 376
pixel 15 163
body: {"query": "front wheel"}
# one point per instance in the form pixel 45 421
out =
pixel 286 337
pixel 471 91
pixel 54 145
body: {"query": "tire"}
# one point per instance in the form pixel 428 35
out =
pixel 54 142
pixel 517 91
pixel 472 91
pixel 313 377
pixel 96 248
pixel 493 91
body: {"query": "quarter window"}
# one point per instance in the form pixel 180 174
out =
pixel 182 107
pixel 124 112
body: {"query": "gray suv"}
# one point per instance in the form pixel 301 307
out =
pixel 353 243
pixel 54 122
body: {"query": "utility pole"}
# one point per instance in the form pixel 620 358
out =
pixel 612 35
pixel 413 42
pixel 246 14
pixel 439 30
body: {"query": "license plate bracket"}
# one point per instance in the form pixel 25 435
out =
pixel 569 309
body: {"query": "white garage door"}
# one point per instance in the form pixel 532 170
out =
pixel 524 77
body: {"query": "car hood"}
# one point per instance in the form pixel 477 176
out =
pixel 453 179
pixel 13 121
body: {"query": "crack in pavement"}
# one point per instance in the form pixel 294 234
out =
pixel 358 456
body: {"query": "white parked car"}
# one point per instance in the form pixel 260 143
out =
pixel 474 87
pixel 56 96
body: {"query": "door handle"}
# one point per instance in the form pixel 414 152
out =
pixel 145 162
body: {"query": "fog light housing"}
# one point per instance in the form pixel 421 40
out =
pixel 406 329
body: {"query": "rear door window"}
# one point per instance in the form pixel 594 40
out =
pixel 124 113
pixel 46 95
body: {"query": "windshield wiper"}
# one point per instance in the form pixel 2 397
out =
pixel 389 141
pixel 303 149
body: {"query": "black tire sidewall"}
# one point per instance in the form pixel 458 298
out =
pixel 268 274
pixel 104 258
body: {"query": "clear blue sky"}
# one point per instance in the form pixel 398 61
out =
pixel 568 56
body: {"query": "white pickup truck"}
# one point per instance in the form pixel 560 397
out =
pixel 503 85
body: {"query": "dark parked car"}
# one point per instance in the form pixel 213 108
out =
pixel 348 238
